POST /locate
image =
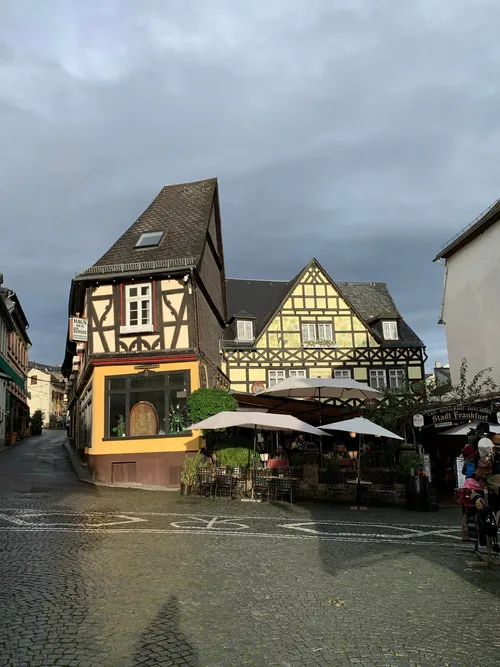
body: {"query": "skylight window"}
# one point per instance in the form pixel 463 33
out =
pixel 149 239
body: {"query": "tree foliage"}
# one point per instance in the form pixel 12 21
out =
pixel 396 409
pixel 204 403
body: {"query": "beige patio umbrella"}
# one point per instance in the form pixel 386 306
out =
pixel 321 388
pixel 255 420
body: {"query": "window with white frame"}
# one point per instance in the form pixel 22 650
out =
pixel 390 329
pixel 273 377
pixel 342 374
pixel 378 378
pixel 297 373
pixel 397 377
pixel 138 308
pixel 245 330
pixel 325 331
pixel 308 332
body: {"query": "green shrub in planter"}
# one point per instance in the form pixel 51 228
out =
pixel 235 452
pixel 190 468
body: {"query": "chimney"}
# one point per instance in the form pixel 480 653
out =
pixel 438 364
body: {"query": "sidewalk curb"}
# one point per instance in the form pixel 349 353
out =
pixel 84 475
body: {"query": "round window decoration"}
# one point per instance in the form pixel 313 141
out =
pixel 257 387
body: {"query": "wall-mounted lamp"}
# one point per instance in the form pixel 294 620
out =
pixel 353 455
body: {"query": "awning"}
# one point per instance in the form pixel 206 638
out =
pixel 7 373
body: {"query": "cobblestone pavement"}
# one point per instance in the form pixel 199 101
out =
pixel 115 577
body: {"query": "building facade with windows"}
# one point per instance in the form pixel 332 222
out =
pixel 46 389
pixel 314 327
pixel 6 326
pixel 155 310
pixel 14 368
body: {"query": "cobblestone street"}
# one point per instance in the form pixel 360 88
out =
pixel 117 577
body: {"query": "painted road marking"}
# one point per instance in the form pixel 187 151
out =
pixel 125 519
pixel 332 537
pixel 209 524
pixel 409 533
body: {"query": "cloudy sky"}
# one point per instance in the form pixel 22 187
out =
pixel 362 132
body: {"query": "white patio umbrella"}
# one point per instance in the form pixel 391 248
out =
pixel 255 420
pixel 361 426
pixel 322 388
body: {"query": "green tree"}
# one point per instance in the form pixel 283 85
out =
pixel 204 403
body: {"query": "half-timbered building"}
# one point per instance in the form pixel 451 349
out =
pixel 314 327
pixel 155 309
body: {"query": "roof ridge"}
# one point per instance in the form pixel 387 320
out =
pixel 258 280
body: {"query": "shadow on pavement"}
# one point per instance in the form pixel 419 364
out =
pixel 163 643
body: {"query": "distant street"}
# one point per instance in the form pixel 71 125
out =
pixel 96 576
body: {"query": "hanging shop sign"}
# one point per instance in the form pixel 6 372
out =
pixel 257 387
pixel 418 421
pixel 457 415
pixel 78 329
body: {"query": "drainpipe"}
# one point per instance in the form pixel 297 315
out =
pixel 196 313
pixel 441 321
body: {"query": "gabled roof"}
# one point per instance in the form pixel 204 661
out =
pixel 372 302
pixel 474 229
pixel 16 311
pixel 182 211
pixel 257 298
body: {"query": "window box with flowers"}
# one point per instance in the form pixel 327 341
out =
pixel 318 343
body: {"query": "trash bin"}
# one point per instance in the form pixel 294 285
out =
pixel 416 491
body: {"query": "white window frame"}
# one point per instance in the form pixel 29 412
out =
pixel 306 329
pixel 390 329
pixel 244 330
pixel 398 374
pixel 297 373
pixel 325 331
pixel 147 327
pixel 342 374
pixel 274 377
pixel 377 374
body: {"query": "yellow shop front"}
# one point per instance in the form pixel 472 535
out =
pixel 138 431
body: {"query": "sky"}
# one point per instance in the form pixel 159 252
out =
pixel 364 133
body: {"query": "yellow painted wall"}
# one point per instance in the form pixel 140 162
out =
pixel 361 374
pixel 139 445
pixel 414 373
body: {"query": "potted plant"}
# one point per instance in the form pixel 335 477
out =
pixel 188 473
pixel 37 422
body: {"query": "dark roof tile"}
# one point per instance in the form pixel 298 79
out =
pixel 183 212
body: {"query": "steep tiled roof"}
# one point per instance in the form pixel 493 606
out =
pixel 374 303
pixel 257 298
pixel 181 211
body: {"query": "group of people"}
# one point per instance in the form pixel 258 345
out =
pixel 480 494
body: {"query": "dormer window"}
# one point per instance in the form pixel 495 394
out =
pixel 150 239
pixel 245 330
pixel 390 329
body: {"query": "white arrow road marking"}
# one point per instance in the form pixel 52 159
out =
pixel 214 523
pixel 126 519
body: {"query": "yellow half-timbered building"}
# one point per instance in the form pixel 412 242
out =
pixel 314 327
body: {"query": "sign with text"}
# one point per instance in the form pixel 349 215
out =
pixel 459 414
pixel 78 329
pixel 418 421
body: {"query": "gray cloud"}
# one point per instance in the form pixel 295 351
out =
pixel 362 133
